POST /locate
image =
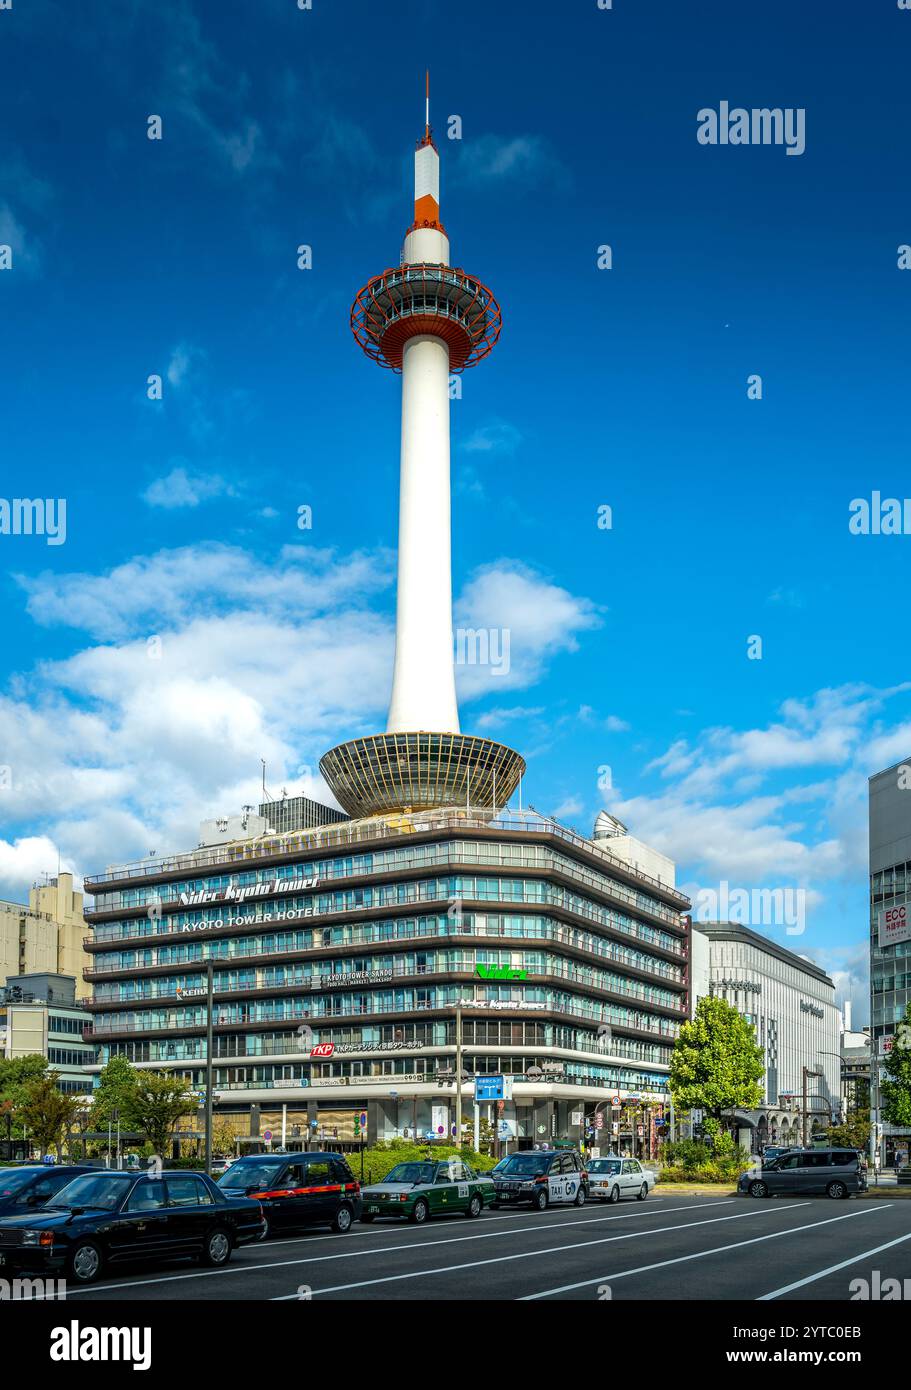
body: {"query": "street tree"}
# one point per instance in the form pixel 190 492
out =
pixel 716 1066
pixel 117 1088
pixel 161 1099
pixel 15 1074
pixel 853 1134
pixel 47 1112
pixel 895 1077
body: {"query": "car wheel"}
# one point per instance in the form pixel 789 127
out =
pixel 643 1192
pixel 367 1219
pixel 475 1206
pixel 614 1194
pixel 421 1212
pixel 580 1197
pixel 84 1262
pixel 539 1201
pixel 837 1190
pixel 758 1189
pixel 217 1249
pixel 341 1221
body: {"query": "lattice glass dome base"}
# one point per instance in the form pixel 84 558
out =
pixel 395 772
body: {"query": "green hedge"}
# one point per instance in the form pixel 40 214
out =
pixel 380 1159
pixel 705 1172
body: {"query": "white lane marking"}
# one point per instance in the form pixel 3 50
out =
pixel 372 1232
pixel 382 1250
pixel 532 1254
pixel 697 1255
pixel 833 1269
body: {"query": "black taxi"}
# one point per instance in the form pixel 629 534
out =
pixel 297 1189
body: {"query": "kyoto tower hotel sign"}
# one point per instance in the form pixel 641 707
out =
pixel 424 320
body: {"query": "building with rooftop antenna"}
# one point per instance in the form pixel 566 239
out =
pixel 424 320
pixel 355 961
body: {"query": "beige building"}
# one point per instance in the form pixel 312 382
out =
pixel 46 936
pixel 40 1015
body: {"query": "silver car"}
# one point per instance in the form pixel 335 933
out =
pixel 610 1179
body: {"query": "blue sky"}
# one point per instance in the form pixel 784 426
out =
pixel 625 388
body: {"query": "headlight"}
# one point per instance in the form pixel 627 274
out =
pixel 43 1238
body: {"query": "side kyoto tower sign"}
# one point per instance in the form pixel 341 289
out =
pixel 424 320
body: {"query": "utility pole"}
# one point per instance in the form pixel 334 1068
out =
pixel 210 989
pixel 458 1134
pixel 874 1105
pixel 806 1072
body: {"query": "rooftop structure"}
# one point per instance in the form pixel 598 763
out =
pixel 425 320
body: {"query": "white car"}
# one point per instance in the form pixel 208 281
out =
pixel 609 1179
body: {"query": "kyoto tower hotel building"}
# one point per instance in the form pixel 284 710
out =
pixel 356 963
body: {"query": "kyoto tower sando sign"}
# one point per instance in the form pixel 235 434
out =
pixel 424 320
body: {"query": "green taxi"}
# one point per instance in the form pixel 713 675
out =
pixel 420 1189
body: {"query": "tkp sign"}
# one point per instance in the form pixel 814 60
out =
pixel 322 1050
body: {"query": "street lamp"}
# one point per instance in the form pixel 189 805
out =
pixel 805 1073
pixel 210 986
pixel 841 1068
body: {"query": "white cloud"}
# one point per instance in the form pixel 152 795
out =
pixel 211 659
pixel 152 593
pixel 496 718
pixel 540 618
pixel 497 437
pixel 182 359
pixel 182 489
pixel 24 861
pixel 526 161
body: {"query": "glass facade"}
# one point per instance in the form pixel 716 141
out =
pixel 338 975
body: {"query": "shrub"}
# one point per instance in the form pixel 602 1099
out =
pixel 705 1172
pixel 687 1153
pixel 384 1155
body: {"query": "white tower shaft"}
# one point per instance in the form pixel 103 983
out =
pixel 423 682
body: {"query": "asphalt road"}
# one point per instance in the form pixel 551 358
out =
pixel 703 1248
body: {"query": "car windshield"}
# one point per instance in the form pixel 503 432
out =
pixel 14 1179
pixel 412 1172
pixel 604 1165
pixel 253 1174
pixel 102 1190
pixel 526 1165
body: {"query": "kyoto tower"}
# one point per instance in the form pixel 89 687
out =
pixel 424 320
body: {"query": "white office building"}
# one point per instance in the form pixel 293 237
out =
pixel 791 1004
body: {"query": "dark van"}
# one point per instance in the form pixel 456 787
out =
pixel 299 1189
pixel 808 1172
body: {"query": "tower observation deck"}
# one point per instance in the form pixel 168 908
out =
pixel 424 320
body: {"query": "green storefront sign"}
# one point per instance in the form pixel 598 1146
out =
pixel 500 972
